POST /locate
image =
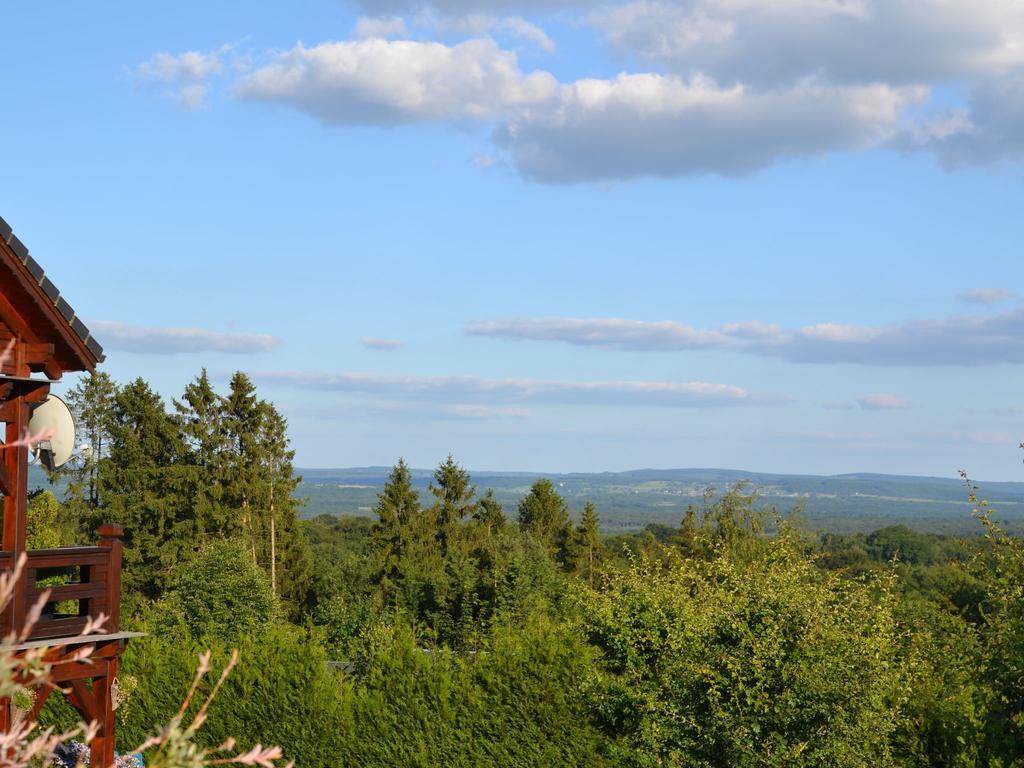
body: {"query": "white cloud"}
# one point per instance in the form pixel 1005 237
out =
pixel 485 412
pixel 171 341
pixel 732 86
pixel 459 8
pixel 380 27
pixel 658 125
pixel 520 27
pixel 383 344
pixel 611 332
pixel 958 341
pixel 987 296
pixel 188 67
pixel 469 390
pixel 185 75
pixel 770 42
pixel 882 402
pixel 381 82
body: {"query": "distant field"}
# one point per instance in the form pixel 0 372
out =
pixel 628 501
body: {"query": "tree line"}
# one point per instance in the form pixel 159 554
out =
pixel 469 635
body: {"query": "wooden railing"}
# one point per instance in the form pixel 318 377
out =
pixel 93 587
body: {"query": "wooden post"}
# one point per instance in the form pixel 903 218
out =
pixel 101 750
pixel 110 536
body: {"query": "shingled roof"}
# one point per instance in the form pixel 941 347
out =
pixel 14 255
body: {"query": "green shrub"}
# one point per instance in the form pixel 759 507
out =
pixel 280 693
pixel 735 662
pixel 221 594
pixel 517 704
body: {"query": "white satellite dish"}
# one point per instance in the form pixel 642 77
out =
pixel 53 417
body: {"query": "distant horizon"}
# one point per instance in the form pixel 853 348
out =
pixel 544 473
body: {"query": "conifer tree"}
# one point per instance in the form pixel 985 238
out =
pixel 143 489
pixel 200 415
pixel 489 513
pixel 587 544
pixel 241 466
pixel 280 548
pixel 398 512
pixel 455 500
pixel 544 513
pixel 92 402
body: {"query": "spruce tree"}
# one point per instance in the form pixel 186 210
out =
pixel 92 402
pixel 543 513
pixel 489 513
pixel 280 548
pixel 398 512
pixel 240 465
pixel 455 500
pixel 200 414
pixel 587 544
pixel 144 489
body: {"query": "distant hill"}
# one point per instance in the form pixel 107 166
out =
pixel 631 500
pixel 628 501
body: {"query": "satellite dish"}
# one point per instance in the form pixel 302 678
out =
pixel 53 417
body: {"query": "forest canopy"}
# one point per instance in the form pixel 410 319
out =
pixel 450 630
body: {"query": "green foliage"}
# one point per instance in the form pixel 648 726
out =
pixel 517 703
pixel 586 550
pixel 489 513
pixel 41 526
pixel 455 500
pixel 142 480
pixel 282 692
pixel 734 662
pixel 545 515
pixel 220 594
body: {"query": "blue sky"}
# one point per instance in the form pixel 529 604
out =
pixel 781 235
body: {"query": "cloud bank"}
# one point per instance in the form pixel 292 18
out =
pixel 957 341
pixel 173 341
pixel 382 344
pixel 721 86
pixel 466 391
pixel 185 76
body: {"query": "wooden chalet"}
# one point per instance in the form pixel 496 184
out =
pixel 49 340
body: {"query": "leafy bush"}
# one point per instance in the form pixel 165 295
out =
pixel 518 703
pixel 280 693
pixel 754 661
pixel 220 594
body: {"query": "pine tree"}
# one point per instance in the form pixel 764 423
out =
pixel 587 544
pixel 455 500
pixel 280 548
pixel 143 489
pixel 398 512
pixel 240 466
pixel 92 402
pixel 200 415
pixel 543 513
pixel 489 513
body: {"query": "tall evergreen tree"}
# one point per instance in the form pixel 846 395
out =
pixel 398 513
pixel 241 465
pixel 587 544
pixel 455 500
pixel 143 489
pixel 280 548
pixel 544 513
pixel 489 513
pixel 92 402
pixel 200 414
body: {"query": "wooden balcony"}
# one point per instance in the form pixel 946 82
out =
pixel 88 583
